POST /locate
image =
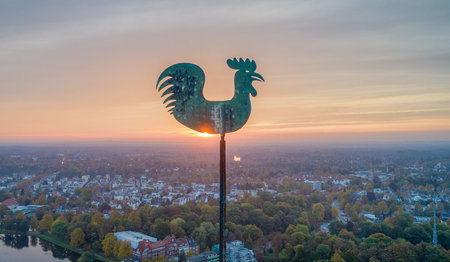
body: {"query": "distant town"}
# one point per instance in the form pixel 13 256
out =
pixel 329 190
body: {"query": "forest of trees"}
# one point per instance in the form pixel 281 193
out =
pixel 284 228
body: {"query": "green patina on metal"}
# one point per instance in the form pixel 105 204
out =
pixel 183 87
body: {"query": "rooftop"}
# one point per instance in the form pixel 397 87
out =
pixel 133 237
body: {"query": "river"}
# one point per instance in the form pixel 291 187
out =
pixel 19 248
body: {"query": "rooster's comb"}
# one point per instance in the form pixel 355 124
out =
pixel 241 64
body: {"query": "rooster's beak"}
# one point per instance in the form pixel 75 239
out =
pixel 253 77
pixel 257 77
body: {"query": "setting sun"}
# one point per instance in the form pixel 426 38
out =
pixel 203 134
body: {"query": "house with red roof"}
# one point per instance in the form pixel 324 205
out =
pixel 11 202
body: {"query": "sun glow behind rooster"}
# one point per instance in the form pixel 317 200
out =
pixel 197 134
pixel 204 134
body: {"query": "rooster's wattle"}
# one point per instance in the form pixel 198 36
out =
pixel 184 85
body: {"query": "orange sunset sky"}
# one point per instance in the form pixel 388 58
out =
pixel 334 70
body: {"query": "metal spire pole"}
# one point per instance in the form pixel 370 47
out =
pixel 223 201
pixel 223 191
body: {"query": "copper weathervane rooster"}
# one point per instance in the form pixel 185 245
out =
pixel 184 86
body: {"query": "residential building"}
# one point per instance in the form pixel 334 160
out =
pixel 134 237
pixel 169 247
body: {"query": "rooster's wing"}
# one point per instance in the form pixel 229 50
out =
pixel 184 83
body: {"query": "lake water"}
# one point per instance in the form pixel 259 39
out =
pixel 20 248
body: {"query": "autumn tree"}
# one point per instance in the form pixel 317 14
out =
pixel 334 212
pixel 5 195
pixel 382 209
pixel 135 220
pixel 62 218
pixel 108 244
pixel 348 209
pixel 7 222
pixel 251 233
pixel 176 230
pixel 277 239
pixel 298 238
pixel 98 218
pixel 3 210
pixel 337 258
pixel 205 234
pixel 59 200
pixel 77 238
pixel 283 255
pixel 125 250
pixel 299 253
pixel 116 247
pixel 42 200
pixel 369 186
pixel 34 223
pixel 318 211
pixel 46 223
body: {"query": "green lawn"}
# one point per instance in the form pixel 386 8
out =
pixel 67 246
